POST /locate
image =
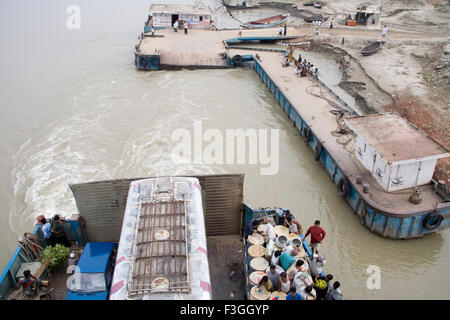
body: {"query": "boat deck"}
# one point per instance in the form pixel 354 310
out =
pixel 226 267
pixel 316 112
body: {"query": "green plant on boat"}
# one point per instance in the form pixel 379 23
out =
pixel 55 256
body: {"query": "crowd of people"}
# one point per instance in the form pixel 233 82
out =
pixel 304 68
pixel 51 231
pixel 297 277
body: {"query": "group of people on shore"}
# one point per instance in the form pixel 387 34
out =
pixel 296 277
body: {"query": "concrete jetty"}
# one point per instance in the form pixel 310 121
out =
pixel 199 49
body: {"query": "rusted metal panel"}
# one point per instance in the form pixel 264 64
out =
pixel 102 205
pixel 222 201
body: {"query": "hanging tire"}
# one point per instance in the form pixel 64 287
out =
pixel 317 151
pixel 154 61
pixel 144 62
pixel 343 187
pixel 237 59
pixel 306 133
pixel 432 221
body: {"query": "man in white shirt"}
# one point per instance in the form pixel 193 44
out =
pixel 317 264
pixel 384 33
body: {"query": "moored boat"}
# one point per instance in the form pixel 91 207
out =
pixel 371 48
pixel 241 7
pixel 268 22
pixel 312 18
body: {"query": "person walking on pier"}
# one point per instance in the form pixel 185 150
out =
pixel 153 31
pixel 317 236
pixel 185 27
pixel 175 26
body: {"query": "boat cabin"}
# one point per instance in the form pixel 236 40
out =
pixel 397 154
pixel 165 15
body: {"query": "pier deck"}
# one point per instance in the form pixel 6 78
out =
pixel 316 112
pixel 199 48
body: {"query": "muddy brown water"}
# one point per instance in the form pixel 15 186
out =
pixel 75 109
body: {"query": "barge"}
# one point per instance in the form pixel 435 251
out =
pixel 178 238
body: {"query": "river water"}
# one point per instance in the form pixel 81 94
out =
pixel 74 109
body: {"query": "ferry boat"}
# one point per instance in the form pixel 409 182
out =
pixel 177 237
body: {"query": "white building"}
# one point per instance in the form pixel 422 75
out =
pixel 397 154
pixel 164 16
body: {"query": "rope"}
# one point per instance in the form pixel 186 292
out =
pixel 231 15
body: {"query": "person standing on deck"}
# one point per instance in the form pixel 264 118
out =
pixel 280 31
pixel 320 285
pixel 39 225
pixel 240 31
pixel 46 229
pixel 175 26
pixel 289 216
pixel 283 283
pixel 285 29
pixel 384 32
pixel 317 264
pixel 273 275
pixel 185 27
pixel 58 235
pixel 153 31
pixel 334 293
pixel 317 236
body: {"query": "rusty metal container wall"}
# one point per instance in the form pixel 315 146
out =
pixel 222 202
pixel 102 204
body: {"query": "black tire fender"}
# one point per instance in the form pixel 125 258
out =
pixel 317 151
pixel 154 61
pixel 343 187
pixel 432 216
pixel 306 133
pixel 143 62
pixel 237 59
